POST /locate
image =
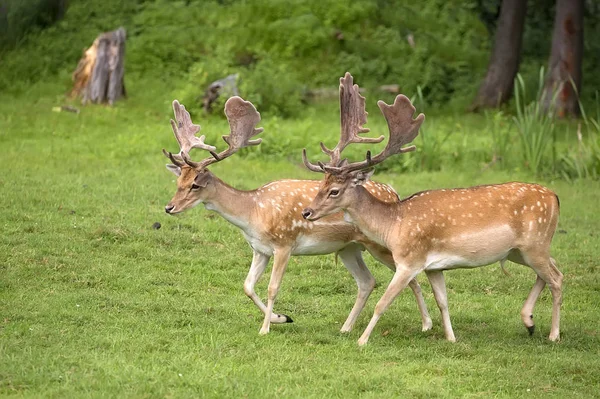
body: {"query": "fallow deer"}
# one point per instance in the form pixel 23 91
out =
pixel 270 217
pixel 439 230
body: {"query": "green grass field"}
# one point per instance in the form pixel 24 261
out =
pixel 94 302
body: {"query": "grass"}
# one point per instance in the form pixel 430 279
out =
pixel 96 303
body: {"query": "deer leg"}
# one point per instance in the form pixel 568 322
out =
pixel 352 259
pixel 438 285
pixel 384 256
pixel 400 280
pixel 527 310
pixel 545 267
pixel 556 289
pixel 259 263
pixel 280 261
pixel 425 318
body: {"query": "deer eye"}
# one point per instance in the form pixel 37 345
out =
pixel 334 192
pixel 195 186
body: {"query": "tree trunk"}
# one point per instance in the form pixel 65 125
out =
pixel 563 82
pixel 504 62
pixel 99 76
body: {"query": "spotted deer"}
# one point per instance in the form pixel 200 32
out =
pixel 439 230
pixel 270 216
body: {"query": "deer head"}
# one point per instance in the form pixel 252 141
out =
pixel 195 183
pixel 341 177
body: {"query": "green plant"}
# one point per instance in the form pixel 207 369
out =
pixel 535 126
pixel 499 128
pixel 583 161
pixel 430 154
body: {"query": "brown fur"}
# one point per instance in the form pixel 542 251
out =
pixel 437 230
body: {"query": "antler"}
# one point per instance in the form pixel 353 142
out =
pixel 403 129
pixel 242 117
pixel 352 118
pixel 185 134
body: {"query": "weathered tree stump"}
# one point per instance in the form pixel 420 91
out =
pixel 99 76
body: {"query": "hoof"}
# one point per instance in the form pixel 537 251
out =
pixel 554 337
pixel 427 326
pixel 531 330
pixel 288 319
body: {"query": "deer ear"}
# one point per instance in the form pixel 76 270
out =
pixel 176 170
pixel 202 179
pixel 361 177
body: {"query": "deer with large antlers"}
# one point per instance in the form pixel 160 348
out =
pixel 269 216
pixel 439 230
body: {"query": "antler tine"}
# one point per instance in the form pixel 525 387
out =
pixel 185 131
pixel 176 161
pixel 242 117
pixel 310 166
pixel 403 129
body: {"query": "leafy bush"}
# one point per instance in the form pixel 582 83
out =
pixel 294 43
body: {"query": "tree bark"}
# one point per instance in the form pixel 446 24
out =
pixel 99 76
pixel 497 86
pixel 563 82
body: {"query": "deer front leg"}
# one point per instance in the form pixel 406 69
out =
pixel 259 263
pixel 425 318
pixel 400 280
pixel 385 256
pixel 280 261
pixel 438 285
pixel 352 258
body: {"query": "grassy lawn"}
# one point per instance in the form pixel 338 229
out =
pixel 95 302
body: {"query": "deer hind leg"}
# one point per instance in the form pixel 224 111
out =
pixel 438 285
pixel 259 263
pixel 527 310
pixel 400 280
pixel 280 261
pixel 352 258
pixel 547 273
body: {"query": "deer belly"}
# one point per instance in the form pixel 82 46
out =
pixel 307 245
pixel 475 249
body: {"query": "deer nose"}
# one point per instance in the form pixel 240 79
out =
pixel 169 208
pixel 306 213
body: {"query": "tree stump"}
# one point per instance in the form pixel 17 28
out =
pixel 99 76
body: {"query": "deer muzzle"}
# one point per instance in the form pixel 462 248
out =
pixel 307 213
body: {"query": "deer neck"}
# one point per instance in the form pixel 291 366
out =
pixel 232 204
pixel 372 216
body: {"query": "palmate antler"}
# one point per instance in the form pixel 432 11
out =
pixel 403 130
pixel 242 117
pixel 352 118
